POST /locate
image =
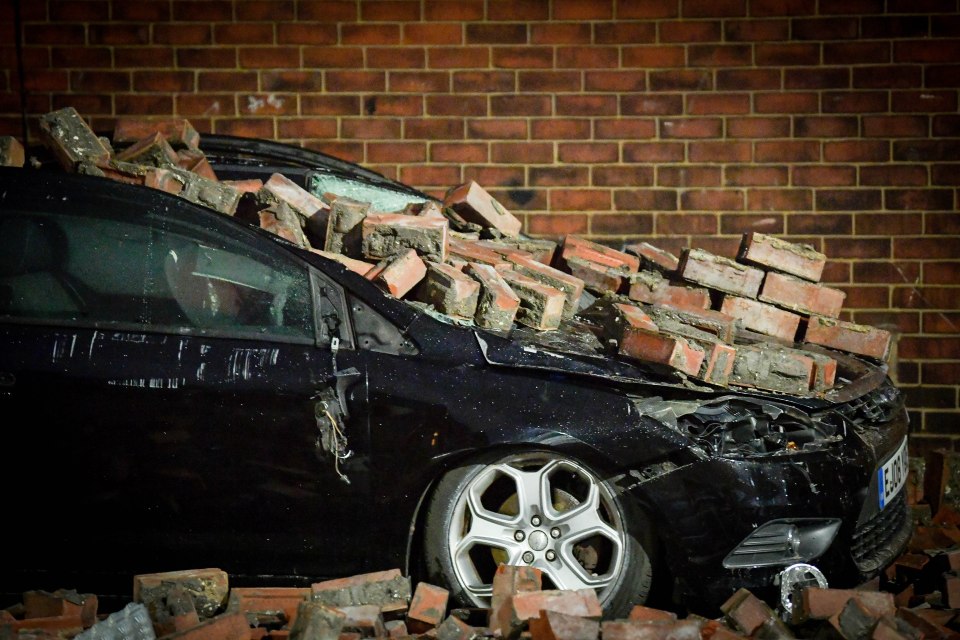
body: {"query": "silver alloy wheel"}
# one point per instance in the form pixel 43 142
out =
pixel 538 510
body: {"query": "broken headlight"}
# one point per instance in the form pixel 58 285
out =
pixel 737 427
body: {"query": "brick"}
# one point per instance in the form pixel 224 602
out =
pixel 344 233
pixel 176 612
pixel 178 132
pixel 153 150
pixel 508 580
pixel 720 325
pixel 316 621
pixel 718 361
pixel 771 368
pixel 62 602
pixel 653 258
pixel 197 189
pixel 746 611
pixel 578 247
pixel 523 606
pixel 228 626
pixel 389 589
pixel 571 286
pixel 619 319
pixel 207 587
pixel 801 296
pixel 472 252
pixel 357 266
pixel 596 277
pixel 540 249
pixel 720 273
pixel 196 162
pixel 762 318
pixel 662 349
pixel 71 140
pixel 11 152
pixel 824 371
pixel 822 604
pixel 541 306
pixel 384 234
pixel 312 213
pixel 454 628
pixel 641 613
pixel 475 204
pixel 398 274
pixel 427 608
pixel 366 620
pixel 847 336
pixel 652 288
pixel 269 600
pixel 553 625
pixel 774 253
pixel 280 219
pixel 449 290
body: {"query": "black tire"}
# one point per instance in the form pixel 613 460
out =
pixel 628 574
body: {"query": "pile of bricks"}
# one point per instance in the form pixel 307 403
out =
pixel 757 321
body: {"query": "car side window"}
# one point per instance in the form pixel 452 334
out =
pixel 150 272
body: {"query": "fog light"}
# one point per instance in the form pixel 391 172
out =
pixel 784 542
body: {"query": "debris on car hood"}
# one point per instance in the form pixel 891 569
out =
pixel 758 320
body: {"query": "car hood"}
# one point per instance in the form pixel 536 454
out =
pixel 574 351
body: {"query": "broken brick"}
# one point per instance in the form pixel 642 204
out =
pixel 311 211
pixel 357 266
pixel 824 371
pixel 653 258
pixel 262 600
pixel 427 608
pixel 115 170
pixel 316 621
pixel 245 186
pixel 764 367
pixel 688 629
pixel 11 152
pixel 175 612
pixel 620 319
pixel 553 625
pixel 71 139
pixel 718 361
pixel 279 219
pixel 472 202
pixel 396 628
pixel 177 131
pixel 799 295
pixel 449 290
pixel 153 150
pixel 886 629
pixel 384 234
pixel 773 253
pixel 652 288
pixel 228 626
pixel 596 277
pixel 521 607
pixel 196 161
pixel 716 323
pixel 189 186
pixel 641 613
pixel 860 339
pixel 389 589
pixel 541 306
pixel 365 619
pixel 497 304
pixel 506 251
pixel 571 286
pixel 509 580
pixel 344 227
pixel 576 247
pixel 746 611
pixel 717 272
pixel 762 318
pixel 540 249
pixel 454 628
pixel 207 587
pixel 472 252
pixel 854 621
pixel 675 352
pixel 62 602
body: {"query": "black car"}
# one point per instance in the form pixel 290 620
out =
pixel 183 390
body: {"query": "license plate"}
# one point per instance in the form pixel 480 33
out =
pixel 892 475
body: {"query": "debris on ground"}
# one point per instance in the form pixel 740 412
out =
pixel 760 319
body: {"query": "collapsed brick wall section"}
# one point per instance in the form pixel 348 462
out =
pixel 682 122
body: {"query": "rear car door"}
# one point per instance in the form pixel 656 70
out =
pixel 168 367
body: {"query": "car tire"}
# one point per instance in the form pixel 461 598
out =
pixel 495 511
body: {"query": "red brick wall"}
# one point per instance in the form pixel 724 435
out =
pixel 682 121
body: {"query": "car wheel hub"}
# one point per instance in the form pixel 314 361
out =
pixel 538 511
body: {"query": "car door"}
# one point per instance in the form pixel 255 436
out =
pixel 173 372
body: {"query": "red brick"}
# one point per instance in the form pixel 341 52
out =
pixel 541 307
pixel 453 293
pixel 208 587
pixel 70 139
pixel 651 630
pixel 387 233
pixel 652 257
pixel 652 288
pixel 553 625
pixel 681 80
pixel 474 204
pixel 647 614
pixel 705 321
pixel 596 277
pixel 574 246
pixel 398 275
pixel 720 273
pixel 774 253
pixel 266 599
pixel 823 604
pixel 571 286
pixel 498 304
pixel 774 368
pixel 522 607
pixel 801 295
pixel 11 152
pixel 762 318
pixel 471 252
pixel 671 351
pixel 847 336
